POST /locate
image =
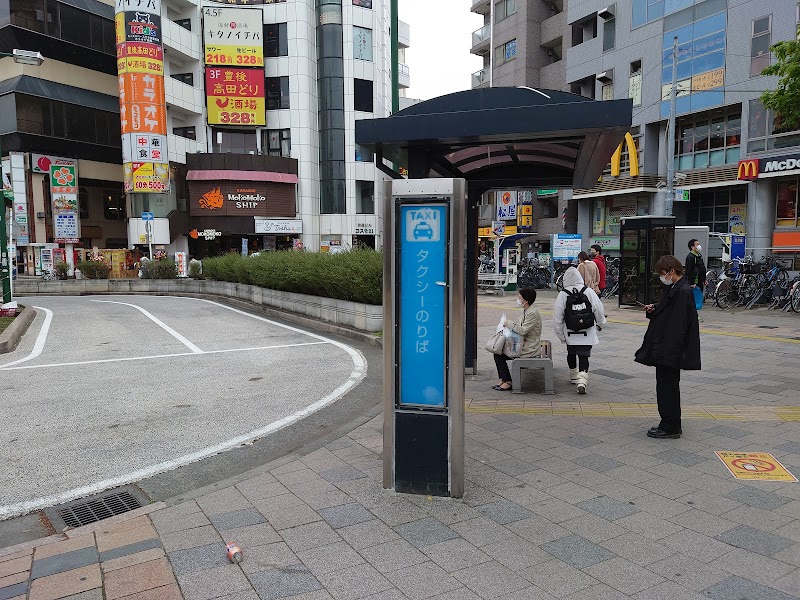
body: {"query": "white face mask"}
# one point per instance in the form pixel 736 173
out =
pixel 698 247
pixel 665 279
pixel 519 302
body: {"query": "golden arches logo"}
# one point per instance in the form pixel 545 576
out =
pixel 633 157
pixel 748 169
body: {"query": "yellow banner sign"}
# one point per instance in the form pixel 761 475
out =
pixel 760 466
pixel 487 231
pixel 237 111
pixel 525 209
pixel 708 80
pixel 146 177
pixel 526 221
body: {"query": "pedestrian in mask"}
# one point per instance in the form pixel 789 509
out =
pixel 696 271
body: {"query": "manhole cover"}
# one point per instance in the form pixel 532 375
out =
pixel 96 508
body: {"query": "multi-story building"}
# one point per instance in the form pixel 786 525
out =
pixel 722 47
pixel 521 44
pixel 291 173
pixel 607 50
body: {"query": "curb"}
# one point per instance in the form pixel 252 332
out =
pixel 14 332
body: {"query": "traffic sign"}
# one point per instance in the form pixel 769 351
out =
pixel 147 216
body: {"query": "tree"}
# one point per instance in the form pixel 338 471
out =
pixel 784 100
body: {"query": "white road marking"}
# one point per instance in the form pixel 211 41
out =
pixel 356 375
pixel 38 346
pixel 161 324
pixel 159 356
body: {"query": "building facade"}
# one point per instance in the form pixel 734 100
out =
pixel 284 171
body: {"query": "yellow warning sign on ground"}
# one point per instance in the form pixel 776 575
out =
pixel 755 465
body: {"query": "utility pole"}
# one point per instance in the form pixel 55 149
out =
pixel 393 27
pixel 491 42
pixel 673 97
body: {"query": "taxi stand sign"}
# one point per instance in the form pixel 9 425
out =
pixel 424 336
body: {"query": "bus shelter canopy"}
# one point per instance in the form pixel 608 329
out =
pixel 503 137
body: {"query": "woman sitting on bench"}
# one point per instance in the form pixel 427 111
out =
pixel 530 328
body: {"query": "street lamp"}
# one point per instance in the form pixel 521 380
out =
pixel 22 57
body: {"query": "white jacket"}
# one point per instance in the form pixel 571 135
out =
pixel 573 281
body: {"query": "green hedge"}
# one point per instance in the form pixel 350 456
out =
pixel 93 269
pixel 159 269
pixel 356 275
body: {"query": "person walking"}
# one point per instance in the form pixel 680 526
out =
pixel 589 271
pixel 671 343
pixel 596 254
pixel 696 268
pixel 578 315
pixel 530 328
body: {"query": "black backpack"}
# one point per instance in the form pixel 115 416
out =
pixel 578 314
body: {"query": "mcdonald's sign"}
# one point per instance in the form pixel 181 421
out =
pixel 748 169
pixel 633 156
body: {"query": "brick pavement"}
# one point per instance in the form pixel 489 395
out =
pixel 564 499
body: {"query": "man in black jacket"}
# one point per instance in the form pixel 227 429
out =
pixel 671 343
pixel 695 267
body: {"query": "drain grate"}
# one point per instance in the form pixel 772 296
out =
pixel 96 508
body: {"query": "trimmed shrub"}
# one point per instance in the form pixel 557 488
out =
pixel 61 269
pixel 91 269
pixel 159 269
pixel 195 270
pixel 356 275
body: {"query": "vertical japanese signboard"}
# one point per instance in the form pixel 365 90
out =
pixel 423 306
pixel 235 96
pixel 64 192
pixel 140 65
pixel 233 37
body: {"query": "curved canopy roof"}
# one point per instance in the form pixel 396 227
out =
pixel 502 137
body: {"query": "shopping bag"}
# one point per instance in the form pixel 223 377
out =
pixel 698 298
pixel 496 343
pixel 513 343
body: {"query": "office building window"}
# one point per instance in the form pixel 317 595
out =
pixel 363 3
pixel 607 91
pixel 709 139
pixel 504 9
pixel 365 197
pixel 362 95
pixel 277 142
pixel 276 40
pixel 185 23
pixel 233 141
pixel 362 43
pixel 506 52
pixel 714 207
pixel 185 132
pixel 187 78
pixel 635 83
pixel 766 131
pixel 759 45
pixel 584 30
pixel 113 206
pixel 609 34
pixel 277 93
pixel 364 155
pixel 787 204
pixel 64 22
pixel 68 121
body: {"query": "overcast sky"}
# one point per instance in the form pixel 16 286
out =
pixel 438 59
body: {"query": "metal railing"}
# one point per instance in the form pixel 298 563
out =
pixel 480 78
pixel 481 35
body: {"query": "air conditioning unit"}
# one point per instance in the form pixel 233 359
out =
pixel 40 215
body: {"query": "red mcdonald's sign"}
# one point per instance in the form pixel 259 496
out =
pixel 748 169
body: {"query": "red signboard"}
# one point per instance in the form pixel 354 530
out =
pixel 235 96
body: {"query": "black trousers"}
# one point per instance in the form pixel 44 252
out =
pixel 668 396
pixel 503 372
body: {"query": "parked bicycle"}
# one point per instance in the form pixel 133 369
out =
pixel 612 278
pixel 530 274
pixel 49 275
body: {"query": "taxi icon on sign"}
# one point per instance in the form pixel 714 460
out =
pixel 423 230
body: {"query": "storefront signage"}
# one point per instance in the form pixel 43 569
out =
pixel 225 198
pixel 248 2
pixel 209 234
pixel 506 205
pixel 423 305
pixel 633 157
pixel 708 80
pixel 748 169
pixel 64 193
pixel 486 232
pixel 233 36
pixel 235 96
pixel 143 111
pixel 547 192
pixel 365 229
pixel 774 165
pixel 737 219
pixel 566 246
pixel 605 242
pixel 279 226
pixel 40 163
pixel 681 195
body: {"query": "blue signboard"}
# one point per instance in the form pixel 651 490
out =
pixel 423 304
pixel 737 246
pixel 147 216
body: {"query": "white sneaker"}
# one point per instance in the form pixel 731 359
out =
pixel 583 381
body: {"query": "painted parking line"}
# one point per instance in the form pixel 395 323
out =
pixel 632 410
pixel 156 356
pixel 41 339
pixel 158 322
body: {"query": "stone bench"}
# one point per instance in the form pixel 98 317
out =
pixel 545 361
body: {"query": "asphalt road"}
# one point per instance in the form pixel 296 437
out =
pixel 113 389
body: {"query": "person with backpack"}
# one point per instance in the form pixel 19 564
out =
pixel 578 315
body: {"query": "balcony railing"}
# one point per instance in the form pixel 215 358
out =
pixel 481 35
pixel 480 78
pixel 403 70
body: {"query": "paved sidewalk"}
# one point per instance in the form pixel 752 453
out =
pixel 564 499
